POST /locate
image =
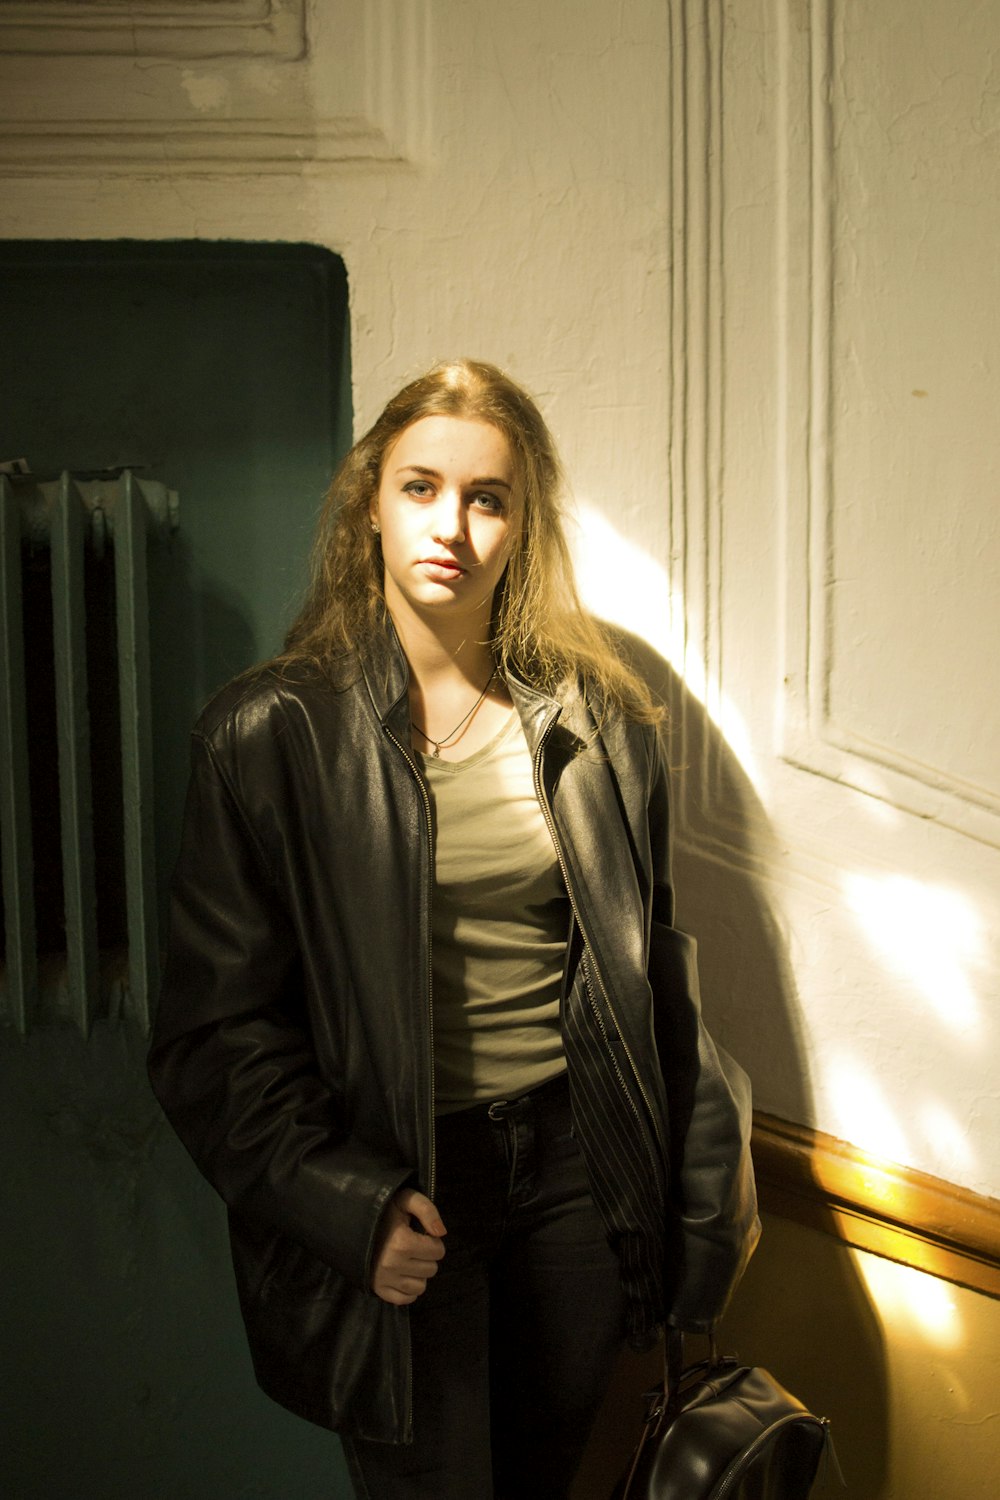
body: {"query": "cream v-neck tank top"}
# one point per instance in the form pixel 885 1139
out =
pixel 500 919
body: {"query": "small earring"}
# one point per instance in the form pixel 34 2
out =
pixel 376 528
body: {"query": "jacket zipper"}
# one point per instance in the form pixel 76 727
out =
pixel 593 966
pixel 428 824
pixel 604 1034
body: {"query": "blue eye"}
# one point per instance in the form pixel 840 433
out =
pixel 487 501
pixel 418 487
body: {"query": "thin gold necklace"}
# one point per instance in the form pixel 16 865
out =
pixel 442 744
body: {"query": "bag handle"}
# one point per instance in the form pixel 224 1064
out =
pixel 674 1372
pixel 660 1402
pixel 673 1361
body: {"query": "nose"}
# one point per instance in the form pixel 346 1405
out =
pixel 449 518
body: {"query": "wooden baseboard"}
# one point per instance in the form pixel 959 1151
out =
pixel 879 1206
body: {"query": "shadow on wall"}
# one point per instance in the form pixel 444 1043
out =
pixel 807 1318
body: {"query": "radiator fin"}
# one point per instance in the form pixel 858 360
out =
pixel 17 867
pixel 68 516
pixel 75 798
pixel 137 746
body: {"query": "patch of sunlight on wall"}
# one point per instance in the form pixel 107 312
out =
pixel 929 935
pixel 951 1140
pixel 621 583
pixel 878 802
pixel 909 1299
pixel 861 1112
pixel 624 585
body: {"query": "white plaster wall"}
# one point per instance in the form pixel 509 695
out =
pixel 745 256
pixel 493 176
pixel 846 545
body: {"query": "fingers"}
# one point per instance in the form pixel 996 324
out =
pixel 388 1294
pixel 422 1209
pixel 401 1295
pixel 411 1247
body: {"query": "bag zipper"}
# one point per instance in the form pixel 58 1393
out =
pixel 739 1464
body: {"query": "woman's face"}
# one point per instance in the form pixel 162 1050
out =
pixel 449 514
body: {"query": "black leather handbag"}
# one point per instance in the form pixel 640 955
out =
pixel 723 1431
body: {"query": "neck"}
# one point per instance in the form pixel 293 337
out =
pixel 439 655
pixel 456 700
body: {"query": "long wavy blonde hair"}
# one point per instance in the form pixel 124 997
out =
pixel 540 630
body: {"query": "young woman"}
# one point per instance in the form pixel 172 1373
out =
pixel 426 1024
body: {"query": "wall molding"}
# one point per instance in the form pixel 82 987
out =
pixel 234 146
pixel 813 738
pixel 211 87
pixel 172 28
pixel 875 1205
pixel 697 390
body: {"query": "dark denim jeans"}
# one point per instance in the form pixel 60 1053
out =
pixel 515 1338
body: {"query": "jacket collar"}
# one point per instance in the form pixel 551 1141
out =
pixel 387 677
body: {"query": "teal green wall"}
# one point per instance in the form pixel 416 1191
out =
pixel 223 370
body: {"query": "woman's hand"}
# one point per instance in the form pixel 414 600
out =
pixel 407 1257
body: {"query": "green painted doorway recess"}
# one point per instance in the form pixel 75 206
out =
pixel 220 370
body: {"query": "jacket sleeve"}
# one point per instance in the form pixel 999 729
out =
pixel 712 1193
pixel 232 1061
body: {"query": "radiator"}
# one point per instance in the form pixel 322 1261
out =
pixel 66 517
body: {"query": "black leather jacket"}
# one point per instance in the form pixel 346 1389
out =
pixel 292 1048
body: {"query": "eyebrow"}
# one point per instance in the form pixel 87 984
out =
pixel 434 474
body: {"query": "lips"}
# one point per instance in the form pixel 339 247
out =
pixel 441 567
